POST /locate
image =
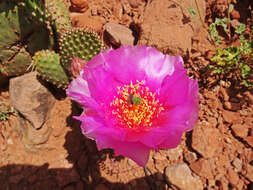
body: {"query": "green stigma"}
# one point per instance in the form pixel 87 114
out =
pixel 135 99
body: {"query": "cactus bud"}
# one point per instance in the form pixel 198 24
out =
pixel 76 66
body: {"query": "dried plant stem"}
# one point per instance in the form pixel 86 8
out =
pixel 229 27
pixel 203 23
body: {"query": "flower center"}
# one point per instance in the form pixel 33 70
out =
pixel 135 106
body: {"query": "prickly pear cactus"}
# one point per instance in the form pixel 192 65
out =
pixel 30 26
pixel 20 35
pixel 58 15
pixel 47 64
pixel 78 42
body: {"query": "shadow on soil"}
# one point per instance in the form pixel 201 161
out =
pixel 84 175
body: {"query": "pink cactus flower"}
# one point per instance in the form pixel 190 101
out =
pixel 135 99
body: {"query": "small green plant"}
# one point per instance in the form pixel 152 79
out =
pixel 192 12
pixel 4 115
pixel 213 29
pixel 233 59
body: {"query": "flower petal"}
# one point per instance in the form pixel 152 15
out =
pixel 94 125
pixel 78 91
pixel 140 63
pixel 155 72
pixel 102 84
pixel 134 150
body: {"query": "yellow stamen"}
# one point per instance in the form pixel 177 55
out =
pixel 135 106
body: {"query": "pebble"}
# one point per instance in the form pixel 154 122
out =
pixel 237 163
pixel 202 167
pixel 175 153
pixel 235 14
pixel 180 176
pixel 117 35
pixel 230 117
pixel 190 156
pixel 206 141
pixel 232 177
pixel 240 130
pixel 79 5
pixel 249 172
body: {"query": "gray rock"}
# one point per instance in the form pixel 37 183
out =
pixel 30 137
pixel 30 98
pixel 34 103
pixel 181 177
pixel 117 35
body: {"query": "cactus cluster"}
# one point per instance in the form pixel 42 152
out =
pixel 39 33
pixel 20 36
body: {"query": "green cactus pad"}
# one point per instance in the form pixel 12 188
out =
pixel 47 64
pixel 18 62
pixel 79 42
pixel 58 14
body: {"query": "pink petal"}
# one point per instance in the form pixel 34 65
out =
pixel 155 72
pixel 78 91
pixel 102 84
pixel 134 150
pixel 172 140
pixel 175 88
pixel 95 125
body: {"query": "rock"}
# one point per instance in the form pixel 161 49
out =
pixel 180 176
pixel 206 141
pixel 240 184
pixel 134 3
pixel 131 162
pixel 81 20
pixel 101 187
pixel 190 156
pixel 202 167
pixel 232 177
pixel 79 5
pixel 224 183
pixel 237 163
pixel 168 25
pixel 30 137
pixel 116 35
pixel 240 130
pixel 232 106
pixel 224 94
pixel 249 140
pixel 175 153
pixel 230 117
pixel 30 98
pixel 249 172
pixel 235 14
pixel 249 97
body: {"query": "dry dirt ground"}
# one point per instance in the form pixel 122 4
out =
pixel 218 151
